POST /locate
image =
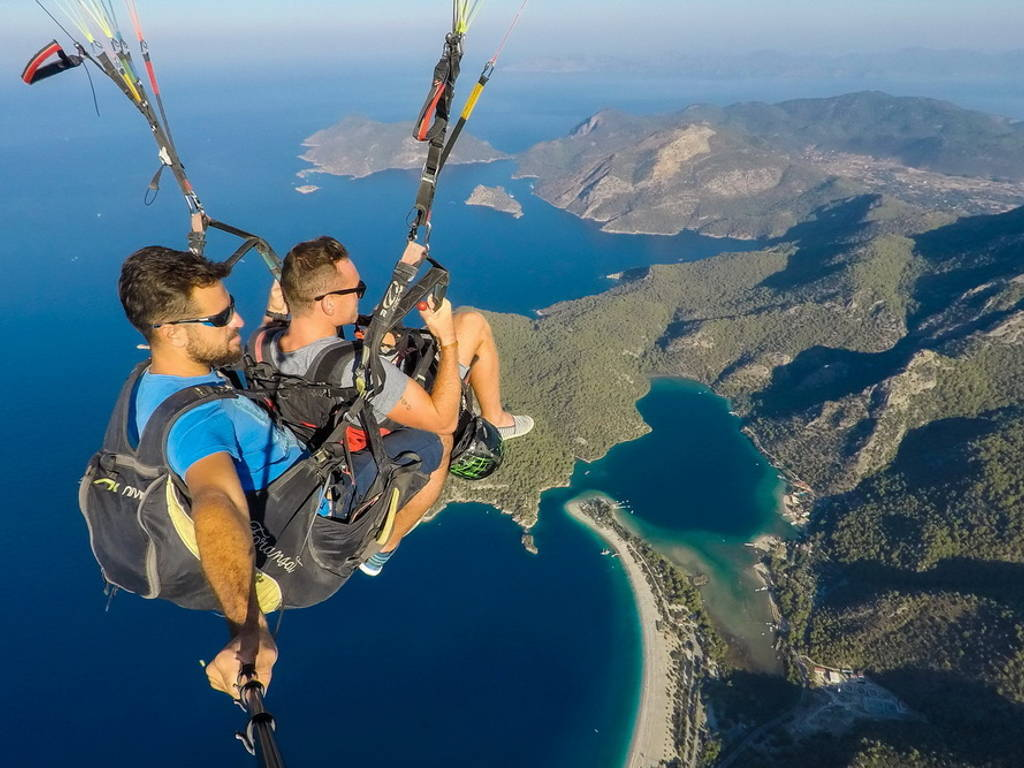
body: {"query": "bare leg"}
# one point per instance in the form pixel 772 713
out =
pixel 477 348
pixel 424 499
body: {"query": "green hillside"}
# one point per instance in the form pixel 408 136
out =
pixel 878 356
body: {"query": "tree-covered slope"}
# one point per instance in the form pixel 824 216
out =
pixel 878 355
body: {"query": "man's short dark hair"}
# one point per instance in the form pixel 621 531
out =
pixel 156 284
pixel 309 270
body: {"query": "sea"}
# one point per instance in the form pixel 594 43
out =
pixel 467 650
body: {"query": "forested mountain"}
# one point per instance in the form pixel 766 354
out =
pixel 877 354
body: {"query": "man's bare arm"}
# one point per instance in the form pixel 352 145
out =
pixel 221 517
pixel 437 411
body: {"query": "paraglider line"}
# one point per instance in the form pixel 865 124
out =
pixel 54 18
pixel 95 101
pixel 508 32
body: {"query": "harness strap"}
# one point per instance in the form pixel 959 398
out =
pixel 116 437
pixel 153 441
pixel 262 345
pixel 432 126
pixel 434 282
pixel 327 365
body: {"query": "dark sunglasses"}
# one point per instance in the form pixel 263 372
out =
pixel 359 290
pixel 214 321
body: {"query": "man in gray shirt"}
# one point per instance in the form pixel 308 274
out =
pixel 321 290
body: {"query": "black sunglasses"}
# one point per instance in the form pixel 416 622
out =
pixel 214 321
pixel 359 290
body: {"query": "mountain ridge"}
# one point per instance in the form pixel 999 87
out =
pixel 754 170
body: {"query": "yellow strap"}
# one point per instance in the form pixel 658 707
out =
pixel 131 87
pixel 467 110
pixel 182 523
pixel 389 520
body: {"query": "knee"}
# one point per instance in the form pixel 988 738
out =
pixel 472 324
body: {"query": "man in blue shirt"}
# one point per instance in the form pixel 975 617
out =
pixel 221 449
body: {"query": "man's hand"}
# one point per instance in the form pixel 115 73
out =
pixel 414 253
pixel 275 301
pixel 247 647
pixel 440 323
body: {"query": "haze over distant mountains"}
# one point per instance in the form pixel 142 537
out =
pixel 754 170
pixel 750 170
pixel 909 64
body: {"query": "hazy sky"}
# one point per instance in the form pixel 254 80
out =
pixel 552 27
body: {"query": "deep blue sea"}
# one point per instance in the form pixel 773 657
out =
pixel 467 650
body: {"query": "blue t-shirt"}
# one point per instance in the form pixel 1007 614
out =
pixel 261 451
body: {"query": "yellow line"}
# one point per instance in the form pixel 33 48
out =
pixel 78 21
pixel 471 101
pixel 98 17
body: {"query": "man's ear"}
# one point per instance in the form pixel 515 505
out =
pixel 328 305
pixel 171 336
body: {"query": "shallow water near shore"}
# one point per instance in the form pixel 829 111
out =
pixel 697 489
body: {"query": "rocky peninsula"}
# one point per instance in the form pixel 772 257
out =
pixel 357 147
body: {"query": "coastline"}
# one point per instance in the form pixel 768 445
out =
pixel 316 167
pixel 654 738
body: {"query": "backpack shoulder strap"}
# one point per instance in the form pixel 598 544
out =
pixel 116 439
pixel 261 346
pixel 152 444
pixel 327 366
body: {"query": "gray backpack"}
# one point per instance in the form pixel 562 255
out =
pixel 142 535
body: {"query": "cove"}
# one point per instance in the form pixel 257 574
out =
pixel 697 489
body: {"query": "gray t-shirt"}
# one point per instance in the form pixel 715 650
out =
pixel 297 363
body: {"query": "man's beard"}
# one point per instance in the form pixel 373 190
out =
pixel 214 355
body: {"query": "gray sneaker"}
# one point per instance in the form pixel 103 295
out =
pixel 522 425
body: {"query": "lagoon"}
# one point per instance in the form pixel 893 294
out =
pixel 697 489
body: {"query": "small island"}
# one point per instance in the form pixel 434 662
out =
pixel 307 189
pixel 497 198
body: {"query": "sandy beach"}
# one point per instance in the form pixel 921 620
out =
pixel 653 739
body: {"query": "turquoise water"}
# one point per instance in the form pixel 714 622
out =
pixel 698 490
